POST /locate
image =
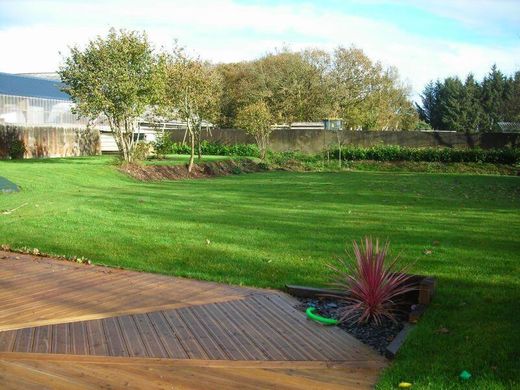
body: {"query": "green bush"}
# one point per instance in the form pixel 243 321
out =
pixel 281 158
pixel 17 149
pixel 141 151
pixel 446 155
pixel 164 146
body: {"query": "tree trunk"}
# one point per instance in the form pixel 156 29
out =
pixel 192 149
pixel 339 148
pixel 199 146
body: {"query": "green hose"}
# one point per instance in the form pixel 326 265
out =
pixel 320 319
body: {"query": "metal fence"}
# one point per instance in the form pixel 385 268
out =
pixel 22 110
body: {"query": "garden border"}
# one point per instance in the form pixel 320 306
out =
pixel 419 300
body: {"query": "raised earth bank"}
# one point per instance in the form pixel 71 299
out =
pixel 202 170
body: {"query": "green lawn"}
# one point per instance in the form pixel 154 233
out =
pixel 268 229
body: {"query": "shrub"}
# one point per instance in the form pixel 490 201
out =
pixel 163 144
pixel 212 148
pixel 17 149
pixel 141 151
pixel 371 283
pixel 446 155
pixel 281 158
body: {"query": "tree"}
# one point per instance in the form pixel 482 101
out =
pixel 451 98
pixel 366 95
pixel 472 115
pixel 311 85
pixel 192 93
pixel 256 120
pixel 429 110
pixel 387 106
pixel 290 83
pixel 115 77
pixel 512 104
pixel 293 85
pixel 241 87
pixel 352 78
pixel 493 97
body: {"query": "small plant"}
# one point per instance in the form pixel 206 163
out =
pixel 236 171
pixel 17 149
pixel 141 151
pixel 163 144
pixel 372 284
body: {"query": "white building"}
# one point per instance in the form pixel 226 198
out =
pixel 37 100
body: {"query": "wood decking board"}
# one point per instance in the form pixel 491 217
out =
pixel 272 332
pixel 30 374
pixel 170 340
pixel 50 292
pixel 67 325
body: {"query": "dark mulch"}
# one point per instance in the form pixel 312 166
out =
pixel 204 170
pixel 377 336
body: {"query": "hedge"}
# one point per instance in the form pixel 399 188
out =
pixel 508 156
pixel 447 155
pixel 208 148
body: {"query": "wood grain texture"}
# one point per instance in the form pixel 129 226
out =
pixel 65 325
pixel 39 291
pixel 72 374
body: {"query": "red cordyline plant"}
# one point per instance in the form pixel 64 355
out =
pixel 372 283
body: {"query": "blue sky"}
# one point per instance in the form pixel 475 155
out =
pixel 424 39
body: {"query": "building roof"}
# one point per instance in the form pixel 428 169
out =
pixel 12 84
pixel 42 75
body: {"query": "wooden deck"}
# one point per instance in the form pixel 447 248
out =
pixel 67 325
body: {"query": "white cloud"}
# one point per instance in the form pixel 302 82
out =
pixel 227 31
pixel 476 13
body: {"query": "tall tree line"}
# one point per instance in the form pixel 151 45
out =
pixel 312 84
pixel 469 105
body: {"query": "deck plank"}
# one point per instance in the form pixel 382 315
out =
pixel 39 291
pixel 168 330
pixel 135 373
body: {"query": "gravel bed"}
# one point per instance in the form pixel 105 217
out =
pixel 377 336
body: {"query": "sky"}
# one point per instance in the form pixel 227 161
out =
pixel 424 39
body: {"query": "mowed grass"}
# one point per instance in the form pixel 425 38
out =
pixel 269 229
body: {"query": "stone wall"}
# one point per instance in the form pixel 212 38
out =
pixel 49 141
pixel 314 141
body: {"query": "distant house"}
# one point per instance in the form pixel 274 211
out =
pixel 33 101
pixel 36 100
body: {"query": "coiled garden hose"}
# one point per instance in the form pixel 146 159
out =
pixel 320 319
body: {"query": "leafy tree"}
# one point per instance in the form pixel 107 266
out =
pixel 293 85
pixel 242 86
pixel 115 77
pixel 311 85
pixel 256 120
pixel 387 107
pixel 290 83
pixel 422 125
pixel 366 95
pixel 353 76
pixel 192 93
